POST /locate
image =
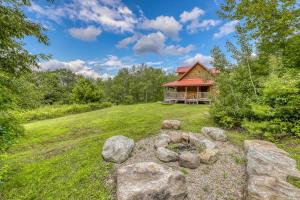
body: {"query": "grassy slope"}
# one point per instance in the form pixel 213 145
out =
pixel 60 158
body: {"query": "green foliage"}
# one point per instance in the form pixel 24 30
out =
pixel 10 128
pixel 85 91
pixel 14 26
pixel 137 85
pixel 269 23
pixel 276 114
pixel 14 61
pixel 52 111
pixel 261 93
pixel 64 152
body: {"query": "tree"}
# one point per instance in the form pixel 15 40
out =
pixel 14 60
pixel 85 91
pixel 269 23
pixel 261 93
pixel 219 60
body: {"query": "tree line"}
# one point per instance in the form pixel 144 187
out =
pixel 138 84
pixel 260 91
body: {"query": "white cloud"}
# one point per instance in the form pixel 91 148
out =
pixel 152 43
pixel 192 15
pixel 54 14
pixel 194 23
pixel 111 15
pixel 77 66
pixel 226 29
pixel 176 50
pixel 155 43
pixel 89 33
pixel 166 24
pixel 205 60
pixel 206 24
pixel 129 40
pixel 150 63
pixel 112 61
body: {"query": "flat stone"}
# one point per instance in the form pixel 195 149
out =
pixel 117 148
pixel 176 136
pixel 207 144
pixel 264 158
pixel 150 181
pixel 166 155
pixel 171 124
pixel 209 156
pixel 189 160
pixel 193 139
pixel 270 188
pixel 268 168
pixel 215 133
pixel 162 140
pixel 185 137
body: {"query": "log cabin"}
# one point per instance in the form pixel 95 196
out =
pixel 194 85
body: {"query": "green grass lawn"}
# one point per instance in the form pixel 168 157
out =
pixel 61 158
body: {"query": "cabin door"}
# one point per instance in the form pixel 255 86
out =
pixel 192 93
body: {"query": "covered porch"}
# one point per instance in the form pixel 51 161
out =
pixel 187 94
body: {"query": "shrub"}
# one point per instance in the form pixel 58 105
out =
pixel 10 128
pixel 47 112
pixel 276 114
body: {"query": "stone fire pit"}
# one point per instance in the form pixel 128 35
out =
pixel 185 147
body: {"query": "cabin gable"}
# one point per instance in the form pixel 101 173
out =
pixel 198 71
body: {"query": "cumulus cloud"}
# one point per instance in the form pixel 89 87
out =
pixel 111 15
pixel 206 24
pixel 129 40
pixel 192 15
pixel 150 63
pixel 165 24
pixel 112 61
pixel 155 43
pixel 90 33
pixel 152 43
pixel 205 60
pixel 78 66
pixel 226 29
pixel 192 18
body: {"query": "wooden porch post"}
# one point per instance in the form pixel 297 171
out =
pixel 185 96
pixel 197 94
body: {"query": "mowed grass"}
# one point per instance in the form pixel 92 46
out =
pixel 61 158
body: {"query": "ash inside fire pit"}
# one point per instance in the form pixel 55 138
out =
pixel 182 147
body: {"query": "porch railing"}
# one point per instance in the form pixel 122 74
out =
pixel 186 95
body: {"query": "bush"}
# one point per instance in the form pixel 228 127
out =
pixel 48 112
pixel 276 114
pixel 10 128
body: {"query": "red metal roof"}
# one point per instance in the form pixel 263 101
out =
pixel 189 82
pixel 182 69
pixel 215 70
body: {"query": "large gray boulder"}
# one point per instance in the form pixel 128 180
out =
pixel 117 149
pixel 171 124
pixel 150 181
pixel 166 155
pixel 264 158
pixel 270 188
pixel 215 133
pixel 268 168
pixel 189 160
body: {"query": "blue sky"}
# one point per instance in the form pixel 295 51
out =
pixel 96 38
